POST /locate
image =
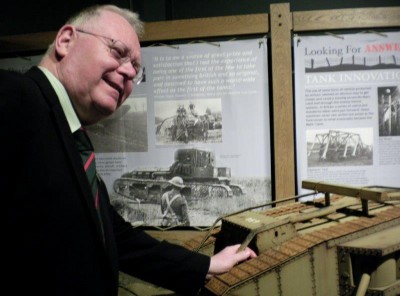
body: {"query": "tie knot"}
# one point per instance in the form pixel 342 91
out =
pixel 82 140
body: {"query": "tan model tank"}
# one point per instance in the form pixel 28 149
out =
pixel 345 243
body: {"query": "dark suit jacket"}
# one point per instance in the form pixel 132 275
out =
pixel 51 238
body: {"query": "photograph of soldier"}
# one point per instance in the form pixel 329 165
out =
pixel 179 129
pixel 389 111
pixel 174 208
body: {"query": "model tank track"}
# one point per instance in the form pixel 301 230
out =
pixel 275 257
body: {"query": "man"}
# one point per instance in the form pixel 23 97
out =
pixel 180 126
pixel 59 237
pixel 174 207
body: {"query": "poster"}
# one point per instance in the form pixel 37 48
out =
pixel 223 150
pixel 347 108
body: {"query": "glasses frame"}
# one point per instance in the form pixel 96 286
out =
pixel 122 57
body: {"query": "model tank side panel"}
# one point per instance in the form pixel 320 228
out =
pixel 295 274
pixel 267 284
pixel 326 270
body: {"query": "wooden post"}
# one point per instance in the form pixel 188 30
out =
pixel 282 86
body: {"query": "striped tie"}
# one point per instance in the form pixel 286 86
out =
pixel 87 154
pixel 85 148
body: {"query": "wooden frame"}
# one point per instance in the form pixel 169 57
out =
pixel 155 32
pixel 281 23
pixel 282 101
pixel 357 18
pixel 206 27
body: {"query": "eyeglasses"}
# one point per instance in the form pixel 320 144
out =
pixel 120 51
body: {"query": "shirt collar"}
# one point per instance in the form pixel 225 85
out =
pixel 65 101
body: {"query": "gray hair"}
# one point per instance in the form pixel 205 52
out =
pixel 92 12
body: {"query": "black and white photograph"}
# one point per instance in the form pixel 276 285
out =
pixel 345 147
pixel 124 131
pixel 207 190
pixel 389 111
pixel 188 121
pixel 337 62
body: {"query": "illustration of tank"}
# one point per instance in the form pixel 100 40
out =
pixel 344 242
pixel 339 145
pixel 195 166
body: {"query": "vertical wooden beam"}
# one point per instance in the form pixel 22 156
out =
pixel 282 86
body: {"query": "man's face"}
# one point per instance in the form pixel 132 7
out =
pixel 95 80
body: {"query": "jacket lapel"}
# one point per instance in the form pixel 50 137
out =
pixel 67 140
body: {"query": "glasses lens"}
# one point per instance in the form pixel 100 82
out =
pixel 120 51
pixel 139 74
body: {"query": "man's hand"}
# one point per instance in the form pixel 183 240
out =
pixel 227 258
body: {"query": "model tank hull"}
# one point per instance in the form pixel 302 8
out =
pixel 337 245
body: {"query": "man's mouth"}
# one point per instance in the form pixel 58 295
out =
pixel 116 87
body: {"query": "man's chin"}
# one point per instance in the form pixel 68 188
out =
pixel 104 112
pixel 108 107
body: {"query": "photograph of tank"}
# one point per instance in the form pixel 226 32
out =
pixel 389 111
pixel 346 147
pixel 124 131
pixel 188 121
pixel 210 190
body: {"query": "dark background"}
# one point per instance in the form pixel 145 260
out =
pixel 23 17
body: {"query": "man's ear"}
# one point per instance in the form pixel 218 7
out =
pixel 64 39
